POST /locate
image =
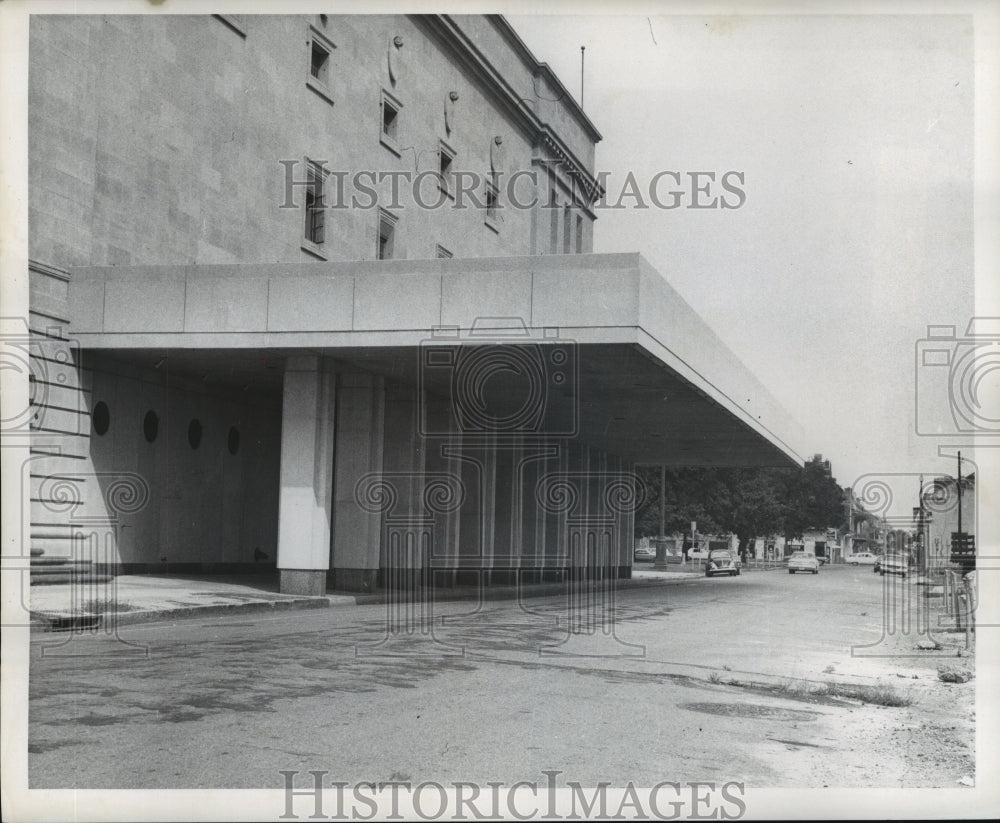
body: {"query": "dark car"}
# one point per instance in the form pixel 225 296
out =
pixel 722 561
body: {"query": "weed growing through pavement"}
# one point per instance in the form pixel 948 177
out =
pixel 877 694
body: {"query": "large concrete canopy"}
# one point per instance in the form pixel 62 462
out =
pixel 648 379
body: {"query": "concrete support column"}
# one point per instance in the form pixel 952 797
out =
pixel 357 538
pixel 305 504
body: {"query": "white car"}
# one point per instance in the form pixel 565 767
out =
pixel 894 564
pixel 862 559
pixel 644 553
pixel 802 562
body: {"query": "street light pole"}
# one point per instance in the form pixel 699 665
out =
pixel 663 501
pixel 661 542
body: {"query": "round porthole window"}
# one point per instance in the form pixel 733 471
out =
pixel 233 440
pixel 150 426
pixel 194 433
pixel 101 418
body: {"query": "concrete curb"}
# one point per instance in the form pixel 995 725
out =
pixel 501 593
pixel 55 622
pixel 58 622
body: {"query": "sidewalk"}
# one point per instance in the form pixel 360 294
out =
pixel 146 598
pixel 143 598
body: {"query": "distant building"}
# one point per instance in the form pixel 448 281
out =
pixel 941 505
pixel 866 532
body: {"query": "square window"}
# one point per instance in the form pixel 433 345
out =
pixel 391 117
pixel 314 234
pixel 386 235
pixel 553 222
pixel 320 59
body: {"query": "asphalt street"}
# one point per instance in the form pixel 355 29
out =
pixel 697 680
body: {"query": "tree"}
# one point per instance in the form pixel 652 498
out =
pixel 690 494
pixel 815 501
pixel 756 504
pixel 746 502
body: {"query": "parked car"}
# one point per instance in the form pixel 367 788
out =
pixel 862 559
pixel 698 554
pixel 878 564
pixel 645 553
pixel 894 564
pixel 722 561
pixel 802 562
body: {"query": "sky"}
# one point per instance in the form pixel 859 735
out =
pixel 855 136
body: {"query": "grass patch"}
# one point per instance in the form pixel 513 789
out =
pixel 106 605
pixel 877 694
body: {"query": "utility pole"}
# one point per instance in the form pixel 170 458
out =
pixel 922 546
pixel 958 485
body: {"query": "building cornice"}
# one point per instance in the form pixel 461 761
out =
pixel 588 184
pixel 51 271
pixel 543 69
